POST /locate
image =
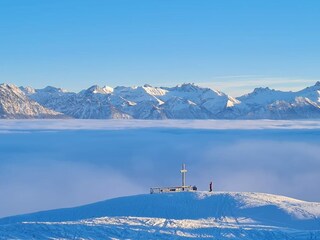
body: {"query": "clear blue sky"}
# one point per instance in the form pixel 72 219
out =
pixel 230 45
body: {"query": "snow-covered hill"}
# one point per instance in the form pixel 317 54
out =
pixel 15 104
pixel 202 215
pixel 186 101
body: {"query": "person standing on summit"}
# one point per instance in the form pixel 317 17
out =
pixel 210 187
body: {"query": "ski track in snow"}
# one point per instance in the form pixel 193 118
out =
pixel 151 228
pixel 224 224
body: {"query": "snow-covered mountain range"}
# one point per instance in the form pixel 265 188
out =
pixel 186 101
pixel 185 215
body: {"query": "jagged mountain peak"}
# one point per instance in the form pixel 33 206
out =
pixel 51 89
pixel 193 90
pixel 262 89
pixel 93 88
pixel 27 90
pixel 188 87
pixel 97 89
pixel 315 87
pixel 107 89
pixel 7 89
pixel 9 86
pixel 141 94
pixel 264 94
pixel 154 91
pixel 6 85
pixel 14 103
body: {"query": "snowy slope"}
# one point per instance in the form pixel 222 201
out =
pixel 15 104
pixel 224 215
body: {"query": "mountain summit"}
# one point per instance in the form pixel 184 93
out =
pixel 184 215
pixel 15 104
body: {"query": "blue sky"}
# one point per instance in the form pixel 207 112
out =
pixel 230 45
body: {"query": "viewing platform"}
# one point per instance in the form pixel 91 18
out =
pixel 182 188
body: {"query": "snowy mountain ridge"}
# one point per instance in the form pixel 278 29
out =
pixel 185 101
pixel 222 215
pixel 15 104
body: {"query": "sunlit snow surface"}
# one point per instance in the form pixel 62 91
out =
pixel 201 215
pixel 47 164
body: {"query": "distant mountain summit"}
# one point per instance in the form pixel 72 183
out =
pixel 181 215
pixel 185 101
pixel 273 104
pixel 15 104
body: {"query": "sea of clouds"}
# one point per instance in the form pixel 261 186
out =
pixel 47 164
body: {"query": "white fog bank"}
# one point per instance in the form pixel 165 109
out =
pixel 47 164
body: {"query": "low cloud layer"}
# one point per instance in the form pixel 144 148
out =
pixel 44 170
